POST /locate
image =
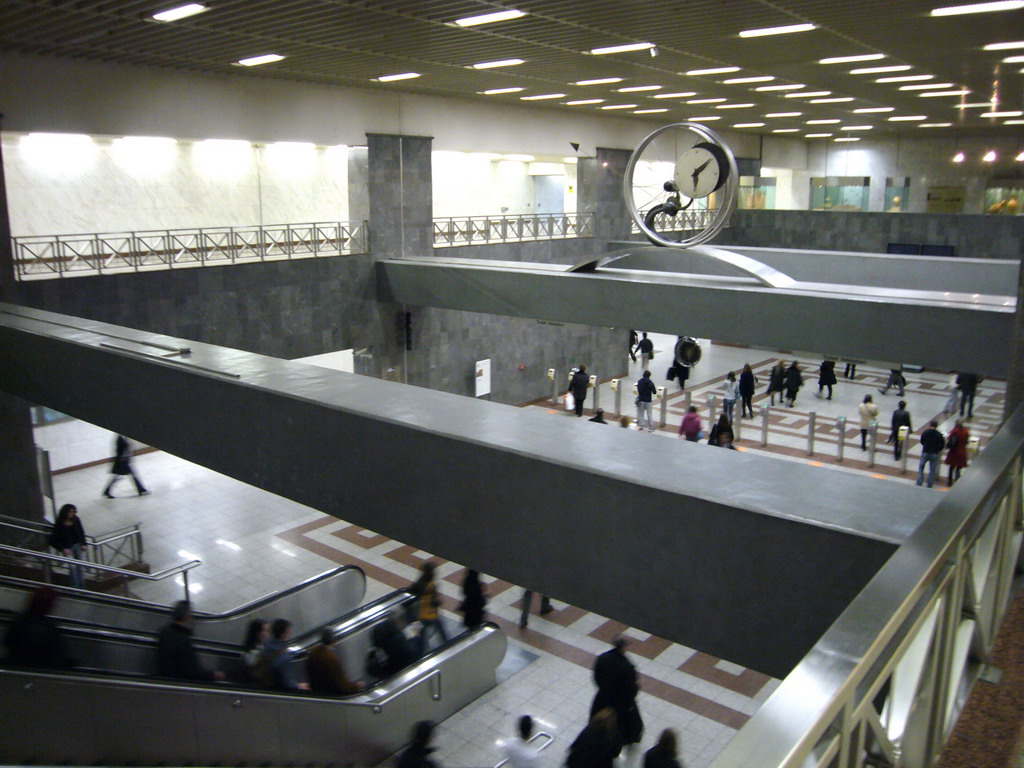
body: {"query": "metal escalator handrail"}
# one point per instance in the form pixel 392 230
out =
pixel 378 706
pixel 44 529
pixel 533 738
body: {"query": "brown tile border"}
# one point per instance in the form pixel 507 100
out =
pixel 748 682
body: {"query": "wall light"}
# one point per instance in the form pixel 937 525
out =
pixel 144 156
pixel 222 157
pixel 959 157
pixel 292 159
pixel 1020 158
pixel 989 157
pixel 59 154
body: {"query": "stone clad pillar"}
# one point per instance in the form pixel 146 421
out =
pixel 600 193
pixel 400 193
pixel 1015 378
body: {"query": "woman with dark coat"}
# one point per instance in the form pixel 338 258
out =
pixel 663 754
pixel 776 381
pixel 956 456
pixel 598 744
pixel 122 466
pixel 747 383
pixel 617 687
pixel 68 538
pixel 826 377
pixel 473 600
pixel 417 754
pixel 793 383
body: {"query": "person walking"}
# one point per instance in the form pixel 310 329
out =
pixel 932 443
pixel 527 606
pixel 691 426
pixel 418 753
pixel 645 392
pixel 428 602
pixel 953 393
pixel 324 669
pixel 748 381
pixel 895 380
pixel 123 466
pixel 518 751
pixel 617 688
pixel 794 380
pixel 474 600
pixel 68 538
pixel 956 456
pixel 900 418
pixel 851 371
pixel 646 349
pixel 578 387
pixel 826 377
pixel 967 383
pixel 868 413
pixel 776 381
pixel 730 392
pixel 664 754
pixel 598 744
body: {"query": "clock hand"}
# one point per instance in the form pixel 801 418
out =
pixel 700 168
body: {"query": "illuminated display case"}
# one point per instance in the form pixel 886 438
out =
pixel 896 192
pixel 1004 196
pixel 757 192
pixel 840 193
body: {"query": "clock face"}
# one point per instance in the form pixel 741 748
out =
pixel 701 170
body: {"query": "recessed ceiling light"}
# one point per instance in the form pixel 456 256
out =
pixel 599 81
pixel 933 94
pixel 181 12
pixel 638 88
pixel 975 105
pixel 880 70
pixel 493 64
pixel 542 96
pixel 856 127
pixel 957 10
pixel 832 100
pixel 989 157
pixel 959 157
pixel 620 106
pixel 733 106
pixel 496 91
pixel 712 71
pixel 1004 46
pixel 823 122
pixel 570 160
pixel 648 111
pixel 682 95
pixel 519 158
pixel 904 79
pixel 935 125
pixel 622 48
pixel 578 102
pixel 786 130
pixel 790 87
pixel 705 101
pixel 783 30
pixel 255 61
pixel 925 86
pixel 784 114
pixel 907 118
pixel 741 80
pixel 489 18
pixel 852 59
pixel 1020 158
pixel 866 110
pixel 847 138
pixel 748 125
pixel 807 94
pixel 817 135
pixel 1014 60
pixel 392 78
pixel 705 118
pixel 1014 113
pixel 1013 122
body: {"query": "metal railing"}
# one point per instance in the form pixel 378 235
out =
pixel 20 553
pixel 119 547
pixel 50 256
pixel 683 221
pixel 470 230
pixel 541 748
pixel 887 681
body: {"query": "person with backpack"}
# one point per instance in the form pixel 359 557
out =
pixel 427 604
pixel 956 456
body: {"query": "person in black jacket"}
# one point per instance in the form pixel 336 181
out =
pixel 417 754
pixel 748 381
pixel 598 744
pixel 663 754
pixel 617 688
pixel 123 466
pixel 826 377
pixel 932 443
pixel 34 639
pixel 578 386
pixel 900 418
pixel 645 391
pixel 389 637
pixel 175 655
pixel 967 383
pixel 473 600
pixel 68 538
pixel 793 383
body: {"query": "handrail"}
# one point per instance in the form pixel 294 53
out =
pixel 533 738
pixel 502 228
pixel 132 532
pixel 182 568
pixel 378 706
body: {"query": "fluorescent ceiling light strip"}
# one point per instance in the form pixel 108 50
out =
pixel 880 70
pixel 500 63
pixel 639 88
pixel 496 91
pixel 1013 113
pixel 648 111
pixel 682 95
pixel 620 106
pixel 705 101
pixel 935 125
pixel 852 59
pixel 926 87
pixel 865 110
pixel 933 94
pixel 489 18
pixel 904 79
pixel 392 78
pixel 255 61
pixel 832 100
pixel 621 48
pixel 907 118
pixel 741 80
pixel 712 71
pixel 786 130
pixel 784 114
pixel 599 81
pixel 975 105
pixel 1004 46
pixel 817 135
pixel 579 102
pixel 959 10
pixel 705 118
pixel 824 122
pixel 1010 122
pixel 790 87
pixel 807 94
pixel 856 127
pixel 783 30
pixel 847 138
pixel 733 106
pixel 1014 60
pixel 748 125
pixel 542 97
pixel 519 158
pixel 181 12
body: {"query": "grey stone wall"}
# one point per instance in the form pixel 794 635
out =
pixel 600 192
pixel 568 251
pixel 973 236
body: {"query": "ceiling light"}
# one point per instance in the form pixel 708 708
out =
pixel 1004 46
pixel 493 64
pixel 620 106
pixel 1020 158
pixel 578 102
pixel 880 70
pixel 783 30
pixel 905 79
pixel 957 10
pixel 807 94
pixel 705 101
pixel 907 118
pixel 1014 113
pixel 496 91
pixel 974 105
pixel 638 88
pixel 748 125
pixel 925 87
pixel 736 106
pixel 255 61
pixel 675 95
pixel 852 59
pixel 784 114
pixel 823 122
pixel 847 138
pixel 1014 122
pixel 959 157
pixel 817 135
pixel 786 130
pixel 181 12
pixel 648 111
pixel 570 160
pixel 856 127
pixel 865 110
pixel 935 125
pixel 542 97
pixel 1014 60
pixel 989 157
pixel 392 78
pixel 519 158
pixel 933 94
pixel 489 18
pixel 599 81
pixel 712 71
pixel 741 80
pixel 621 48
pixel 704 119
pixel 790 87
pixel 832 100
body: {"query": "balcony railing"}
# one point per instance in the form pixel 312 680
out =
pixel 480 230
pixel 49 256
pixel 683 221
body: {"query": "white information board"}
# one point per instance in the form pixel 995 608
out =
pixel 483 377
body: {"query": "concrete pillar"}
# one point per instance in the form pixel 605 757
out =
pixel 19 478
pixel 600 192
pixel 8 285
pixel 1015 379
pixel 358 193
pixel 400 194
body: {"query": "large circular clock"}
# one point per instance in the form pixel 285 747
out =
pixel 681 185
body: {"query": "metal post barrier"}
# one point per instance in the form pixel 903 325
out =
pixel 712 405
pixel 737 428
pixel 617 389
pixel 554 385
pixel 597 391
pixel 765 410
pixel 901 440
pixel 873 442
pixel 811 423
pixel 841 429
pixel 687 400
pixel 664 406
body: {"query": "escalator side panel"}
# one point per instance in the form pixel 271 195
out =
pixel 138 726
pixel 232 730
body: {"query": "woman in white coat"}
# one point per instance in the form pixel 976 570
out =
pixel 868 413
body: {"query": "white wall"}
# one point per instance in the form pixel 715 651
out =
pixel 485 184
pixel 73 443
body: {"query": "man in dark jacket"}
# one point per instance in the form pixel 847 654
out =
pixel 324 669
pixel 34 639
pixel 617 688
pixel 646 349
pixel 175 655
pixel 645 391
pixel 900 418
pixel 389 637
pixel 578 386
pixel 932 443
pixel 967 383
